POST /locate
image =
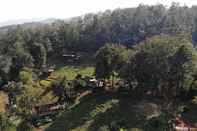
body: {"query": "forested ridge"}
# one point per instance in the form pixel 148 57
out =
pixel 125 58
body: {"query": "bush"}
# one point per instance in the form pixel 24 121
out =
pixel 5 124
pixel 25 76
pixel 25 126
pixel 1 81
pixel 104 128
pixel 160 123
pixel 45 83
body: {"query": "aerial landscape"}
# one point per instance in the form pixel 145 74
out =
pixel 120 68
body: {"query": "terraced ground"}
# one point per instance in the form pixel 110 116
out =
pixel 98 112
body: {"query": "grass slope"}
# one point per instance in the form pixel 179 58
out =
pixel 98 112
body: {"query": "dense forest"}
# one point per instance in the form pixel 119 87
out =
pixel 34 44
pixel 151 49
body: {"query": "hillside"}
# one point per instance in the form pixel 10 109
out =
pixel 122 70
pixel 99 112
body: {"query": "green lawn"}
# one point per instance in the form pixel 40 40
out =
pixel 71 71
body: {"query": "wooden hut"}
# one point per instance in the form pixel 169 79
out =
pixel 71 57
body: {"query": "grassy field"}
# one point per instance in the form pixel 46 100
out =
pixel 71 71
pixel 3 101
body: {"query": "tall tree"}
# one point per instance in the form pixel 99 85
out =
pixel 109 60
pixel 164 62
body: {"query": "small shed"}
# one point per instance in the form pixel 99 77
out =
pixel 71 57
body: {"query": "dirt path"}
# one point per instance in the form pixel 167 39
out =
pixel 84 94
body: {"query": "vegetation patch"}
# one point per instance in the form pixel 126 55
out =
pixel 104 113
pixel 71 71
pixel 3 102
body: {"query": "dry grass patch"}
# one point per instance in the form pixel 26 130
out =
pixel 3 101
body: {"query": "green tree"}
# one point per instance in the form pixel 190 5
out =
pixel 109 60
pixel 65 36
pixel 5 67
pixel 39 54
pixel 58 89
pixel 25 76
pixel 25 126
pixel 183 68
pixel 20 58
pixel 164 63
pixel 5 123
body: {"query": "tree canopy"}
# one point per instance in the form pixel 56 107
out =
pixel 163 62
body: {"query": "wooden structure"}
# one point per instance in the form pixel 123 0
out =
pixel 49 108
pixel 71 57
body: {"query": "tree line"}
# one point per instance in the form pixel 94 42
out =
pixel 166 64
pixel 150 47
pixel 36 46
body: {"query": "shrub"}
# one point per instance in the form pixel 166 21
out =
pixel 25 76
pixel 160 123
pixel 25 126
pixel 5 123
